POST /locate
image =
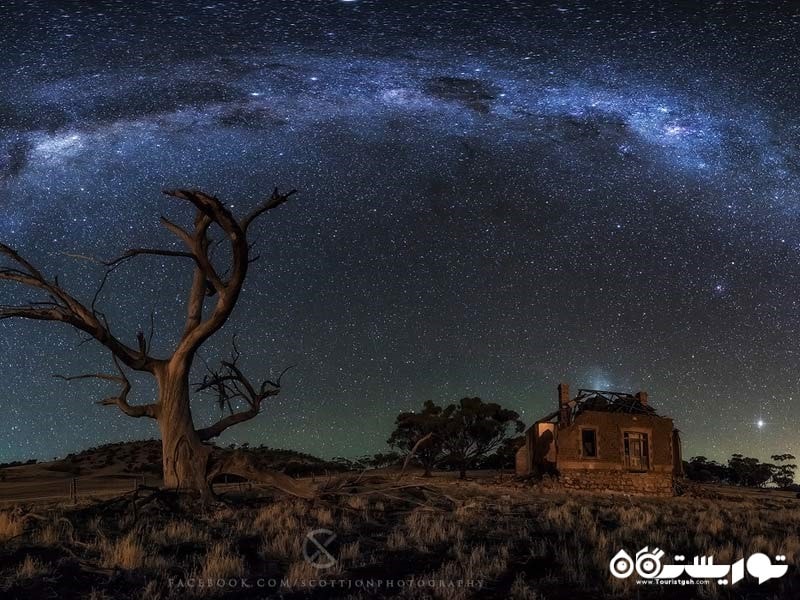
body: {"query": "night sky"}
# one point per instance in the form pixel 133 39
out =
pixel 493 197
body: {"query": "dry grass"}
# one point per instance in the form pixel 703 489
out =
pixel 344 523
pixel 470 565
pixel 30 568
pixel 221 563
pixel 218 564
pixel 176 532
pixel 634 518
pixel 124 553
pixel 10 527
pixel 520 590
pixel 282 527
pixel 358 503
pixel 709 522
pixel 350 553
pixel 396 540
pixel 521 544
pixel 284 545
pixel 299 573
pixel 560 516
pixel 323 516
pixel 468 511
pixel 429 529
pixel 280 517
pixel 49 535
pixel 151 591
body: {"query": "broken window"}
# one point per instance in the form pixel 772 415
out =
pixel 589 443
pixel 637 451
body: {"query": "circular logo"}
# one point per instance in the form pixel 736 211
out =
pixel 621 565
pixel 316 548
pixel 648 564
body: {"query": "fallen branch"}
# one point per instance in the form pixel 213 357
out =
pixel 411 454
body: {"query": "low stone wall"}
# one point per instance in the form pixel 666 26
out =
pixel 650 483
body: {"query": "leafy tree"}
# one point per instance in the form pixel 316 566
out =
pixel 420 434
pixel 748 471
pixel 384 459
pixel 699 468
pixel 474 429
pixel 348 464
pixel 783 475
pixel 506 455
pixel 743 470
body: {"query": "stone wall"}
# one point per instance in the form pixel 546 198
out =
pixel 523 462
pixel 610 428
pixel 650 483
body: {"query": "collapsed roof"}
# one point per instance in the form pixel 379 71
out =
pixel 604 401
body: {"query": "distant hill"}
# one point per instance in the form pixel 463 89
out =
pixel 144 458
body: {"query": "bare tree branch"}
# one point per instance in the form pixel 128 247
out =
pixel 277 382
pixel 65 308
pixel 208 433
pixel 177 230
pixel 229 383
pixel 211 210
pixel 120 400
pixel 273 201
pixel 413 453
pixel 133 252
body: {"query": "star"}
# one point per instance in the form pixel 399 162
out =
pixel 483 209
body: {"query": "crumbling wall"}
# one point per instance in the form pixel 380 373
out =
pixel 523 462
pixel 544 452
pixel 610 452
pixel 653 483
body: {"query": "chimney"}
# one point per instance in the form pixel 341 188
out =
pixel 564 410
pixel 642 398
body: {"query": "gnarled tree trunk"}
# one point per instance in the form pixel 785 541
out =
pixel 184 455
pixel 187 458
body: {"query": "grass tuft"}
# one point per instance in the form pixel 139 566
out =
pixel 10 527
pixel 124 553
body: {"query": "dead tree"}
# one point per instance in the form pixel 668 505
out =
pixel 187 458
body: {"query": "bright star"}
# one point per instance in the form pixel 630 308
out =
pixel 760 424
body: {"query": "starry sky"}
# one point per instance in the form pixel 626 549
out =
pixel 493 197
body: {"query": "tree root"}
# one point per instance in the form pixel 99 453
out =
pixel 245 465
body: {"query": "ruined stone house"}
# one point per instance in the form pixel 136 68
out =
pixel 601 440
